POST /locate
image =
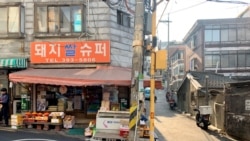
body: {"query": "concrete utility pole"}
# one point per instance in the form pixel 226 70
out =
pixel 152 80
pixel 168 55
pixel 152 73
pixel 136 67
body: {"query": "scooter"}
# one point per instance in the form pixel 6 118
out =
pixel 202 121
pixel 172 104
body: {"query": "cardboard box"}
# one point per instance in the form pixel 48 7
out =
pixel 69 121
pixel 17 120
pixel 125 122
pixel 106 94
pixel 204 110
pixel 106 105
pixel 16 116
pixel 16 123
pixel 56 120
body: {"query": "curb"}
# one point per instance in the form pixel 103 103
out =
pixel 8 129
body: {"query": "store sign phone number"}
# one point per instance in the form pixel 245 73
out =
pixel 70 52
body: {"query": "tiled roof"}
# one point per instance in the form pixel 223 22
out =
pixel 214 80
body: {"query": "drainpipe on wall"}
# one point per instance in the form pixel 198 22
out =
pixel 207 100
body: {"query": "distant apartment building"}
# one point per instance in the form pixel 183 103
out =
pixel 179 64
pixel 221 46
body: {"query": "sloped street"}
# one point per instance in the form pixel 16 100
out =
pixel 174 126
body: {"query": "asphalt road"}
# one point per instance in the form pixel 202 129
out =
pixel 174 126
pixel 169 126
pixel 13 135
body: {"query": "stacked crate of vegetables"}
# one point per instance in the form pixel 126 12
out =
pixel 16 121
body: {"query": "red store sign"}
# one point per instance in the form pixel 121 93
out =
pixel 70 52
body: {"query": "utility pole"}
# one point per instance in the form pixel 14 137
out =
pixel 152 78
pixel 168 55
pixel 152 72
pixel 136 68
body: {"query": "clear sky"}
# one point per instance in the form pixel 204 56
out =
pixel 184 13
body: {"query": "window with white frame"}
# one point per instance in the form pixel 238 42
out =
pixel 123 18
pixel 60 18
pixel 12 19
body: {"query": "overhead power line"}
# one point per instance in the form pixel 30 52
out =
pixel 192 6
pixel 162 14
pixel 229 1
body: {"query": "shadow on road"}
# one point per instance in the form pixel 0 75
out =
pixel 160 136
pixel 221 137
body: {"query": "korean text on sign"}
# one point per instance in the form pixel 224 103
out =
pixel 70 52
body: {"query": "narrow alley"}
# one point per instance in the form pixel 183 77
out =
pixel 174 126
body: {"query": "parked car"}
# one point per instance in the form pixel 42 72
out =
pixel 147 93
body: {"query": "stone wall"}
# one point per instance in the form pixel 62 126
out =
pixel 237 101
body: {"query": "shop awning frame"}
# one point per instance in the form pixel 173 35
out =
pixel 103 75
pixel 13 63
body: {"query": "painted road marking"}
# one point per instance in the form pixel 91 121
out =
pixel 33 140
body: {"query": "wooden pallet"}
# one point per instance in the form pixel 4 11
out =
pixel 100 136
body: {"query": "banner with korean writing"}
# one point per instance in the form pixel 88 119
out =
pixel 70 52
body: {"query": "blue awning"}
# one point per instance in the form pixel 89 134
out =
pixel 13 63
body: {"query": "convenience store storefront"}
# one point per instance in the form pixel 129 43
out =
pixel 80 90
pixel 76 89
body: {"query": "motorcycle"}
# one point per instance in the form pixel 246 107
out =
pixel 202 121
pixel 172 104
